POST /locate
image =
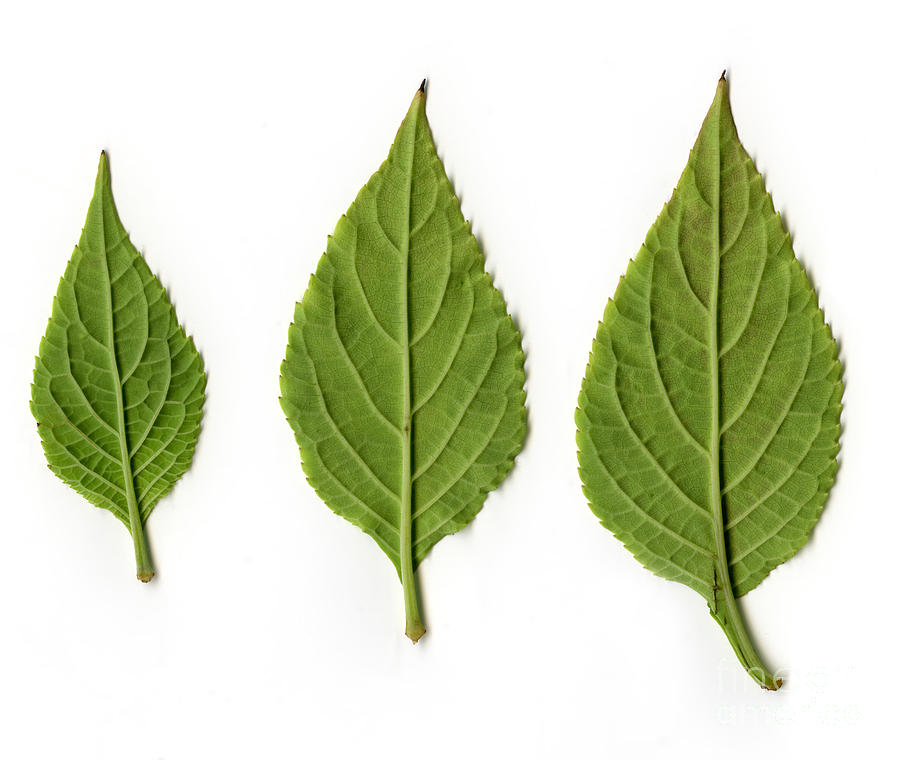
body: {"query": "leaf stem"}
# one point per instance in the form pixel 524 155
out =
pixel 145 571
pixel 728 616
pixel 414 628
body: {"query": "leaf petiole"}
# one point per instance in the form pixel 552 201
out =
pixel 145 571
pixel 729 619
pixel 414 628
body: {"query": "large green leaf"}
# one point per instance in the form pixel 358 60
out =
pixel 118 387
pixel 709 417
pixel 403 378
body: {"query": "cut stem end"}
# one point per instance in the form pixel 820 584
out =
pixel 145 571
pixel 415 630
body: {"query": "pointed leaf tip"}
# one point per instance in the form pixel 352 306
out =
pixel 722 87
pixel 422 86
pixel 102 170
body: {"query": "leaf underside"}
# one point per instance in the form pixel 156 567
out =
pixel 401 334
pixel 713 390
pixel 118 387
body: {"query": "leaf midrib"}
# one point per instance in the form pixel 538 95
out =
pixel 730 617
pixel 135 522
pixel 134 518
pixel 722 578
pixel 406 484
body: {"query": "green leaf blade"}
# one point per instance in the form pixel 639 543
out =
pixel 709 417
pixel 403 378
pixel 118 386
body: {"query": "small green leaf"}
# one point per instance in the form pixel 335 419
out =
pixel 403 379
pixel 118 387
pixel 709 417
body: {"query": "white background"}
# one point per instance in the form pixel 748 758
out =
pixel 237 136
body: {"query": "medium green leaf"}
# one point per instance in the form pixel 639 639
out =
pixel 403 380
pixel 118 387
pixel 709 417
